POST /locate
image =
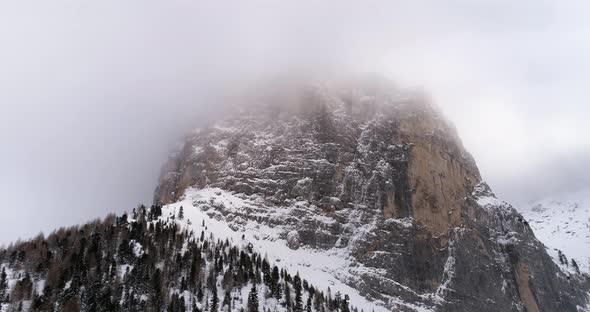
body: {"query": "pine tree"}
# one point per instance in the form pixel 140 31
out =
pixel 226 300
pixel 156 289
pixel 344 304
pixel 287 295
pixel 276 286
pixel 575 265
pixel 562 258
pixel 181 213
pixel 337 301
pixel 253 299
pixel 215 299
pixel 181 304
pixel 172 306
pixel 3 285
pixel 200 293
pixel 113 271
pixel 318 297
pixel 298 299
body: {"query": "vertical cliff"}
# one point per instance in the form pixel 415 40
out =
pixel 380 175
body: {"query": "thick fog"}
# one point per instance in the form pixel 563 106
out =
pixel 93 94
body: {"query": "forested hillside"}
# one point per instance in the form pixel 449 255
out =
pixel 146 262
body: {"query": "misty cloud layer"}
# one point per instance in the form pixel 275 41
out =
pixel 93 94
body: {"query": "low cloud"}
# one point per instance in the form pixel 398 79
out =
pixel 94 94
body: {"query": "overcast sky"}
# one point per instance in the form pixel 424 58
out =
pixel 94 93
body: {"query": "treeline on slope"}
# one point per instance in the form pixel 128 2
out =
pixel 145 263
pixel 564 262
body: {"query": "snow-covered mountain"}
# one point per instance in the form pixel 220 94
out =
pixel 354 186
pixel 378 179
pixel 562 223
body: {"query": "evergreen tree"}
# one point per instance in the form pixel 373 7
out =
pixel 337 301
pixel 3 285
pixel 226 300
pixel 181 213
pixel 575 265
pixel 298 299
pixel 317 302
pixel 215 299
pixel 562 258
pixel 113 272
pixel 344 304
pixel 287 295
pixel 276 286
pixel 200 293
pixel 253 299
pixel 156 289
pixel 181 304
pixel 172 306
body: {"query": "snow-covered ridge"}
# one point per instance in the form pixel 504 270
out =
pixel 331 268
pixel 563 224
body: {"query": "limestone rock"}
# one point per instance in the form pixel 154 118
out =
pixel 379 171
pixel 293 240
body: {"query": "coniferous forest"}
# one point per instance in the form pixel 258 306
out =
pixel 140 262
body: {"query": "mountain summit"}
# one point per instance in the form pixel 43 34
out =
pixel 371 147
pixel 374 174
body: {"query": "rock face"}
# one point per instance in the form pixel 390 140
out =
pixel 376 171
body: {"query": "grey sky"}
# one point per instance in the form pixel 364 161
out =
pixel 94 93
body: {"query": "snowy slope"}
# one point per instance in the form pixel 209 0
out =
pixel 330 268
pixel 563 223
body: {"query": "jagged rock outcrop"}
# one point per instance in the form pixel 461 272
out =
pixel 364 166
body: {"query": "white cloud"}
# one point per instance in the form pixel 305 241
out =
pixel 92 93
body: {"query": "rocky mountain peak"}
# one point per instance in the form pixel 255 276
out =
pixel 375 176
pixel 362 143
pixel 356 187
